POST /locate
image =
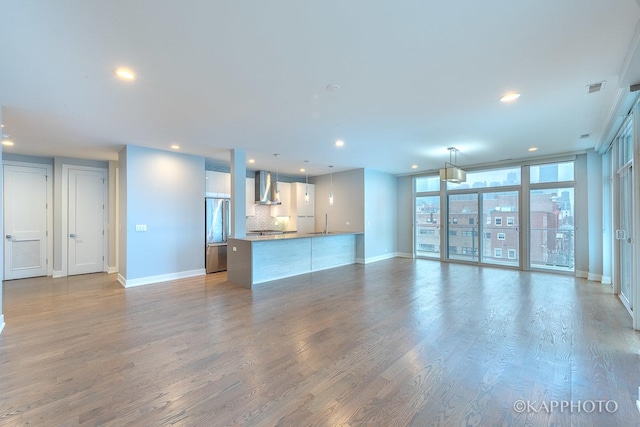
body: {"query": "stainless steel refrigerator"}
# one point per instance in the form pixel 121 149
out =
pixel 217 228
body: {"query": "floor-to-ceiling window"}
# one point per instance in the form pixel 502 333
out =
pixel 551 216
pixel 427 217
pixel 481 220
pixel 484 217
pixel 623 148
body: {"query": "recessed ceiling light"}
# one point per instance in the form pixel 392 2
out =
pixel 302 170
pixel 533 148
pixel 2 125
pixel 7 143
pixel 510 97
pixel 125 74
pixel 414 166
pixel 339 143
pixel 175 147
pixel 252 161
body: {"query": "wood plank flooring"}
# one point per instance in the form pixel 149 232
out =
pixel 394 343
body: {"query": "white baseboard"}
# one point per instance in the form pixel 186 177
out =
pixel 57 274
pixel 582 274
pixel 111 270
pixel 149 280
pixel 594 277
pixel 375 258
pixel 606 280
pixel 1 322
pixel 404 255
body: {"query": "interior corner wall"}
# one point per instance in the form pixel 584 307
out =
pixel 404 208
pixel 581 243
pixel 380 215
pixel 164 192
pixel 594 214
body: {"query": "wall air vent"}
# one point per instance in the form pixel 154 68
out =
pixel 595 87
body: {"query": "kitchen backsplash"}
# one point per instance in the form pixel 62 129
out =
pixel 264 221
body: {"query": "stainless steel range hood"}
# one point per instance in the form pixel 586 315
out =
pixel 265 189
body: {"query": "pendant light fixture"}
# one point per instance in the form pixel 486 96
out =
pixel 331 188
pixel 306 180
pixel 451 172
pixel 277 189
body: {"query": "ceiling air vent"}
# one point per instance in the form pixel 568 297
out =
pixel 595 87
pixel 585 135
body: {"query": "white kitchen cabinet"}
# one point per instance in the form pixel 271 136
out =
pixel 251 194
pixel 302 213
pixel 283 209
pixel 218 184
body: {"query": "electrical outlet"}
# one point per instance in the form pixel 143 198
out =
pixel 141 227
pixel 235 249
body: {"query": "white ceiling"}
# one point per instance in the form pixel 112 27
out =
pixel 416 77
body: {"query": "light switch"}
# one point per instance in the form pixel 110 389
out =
pixel 235 249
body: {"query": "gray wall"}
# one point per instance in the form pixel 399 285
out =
pixel 380 215
pixel 111 232
pixel 404 215
pixel 122 212
pixel 347 212
pixel 165 192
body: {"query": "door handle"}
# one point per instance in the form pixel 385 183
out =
pixel 73 236
pixel 8 237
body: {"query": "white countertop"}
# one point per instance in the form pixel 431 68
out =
pixel 286 236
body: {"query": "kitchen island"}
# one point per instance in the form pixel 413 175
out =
pixel 257 259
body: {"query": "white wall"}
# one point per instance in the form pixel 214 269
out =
pixel 380 215
pixel 164 191
pixel 404 206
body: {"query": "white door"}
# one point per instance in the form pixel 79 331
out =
pixel 86 219
pixel 25 221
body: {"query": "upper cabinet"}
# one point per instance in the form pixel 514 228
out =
pixel 283 209
pixel 299 207
pixel 251 197
pixel 218 184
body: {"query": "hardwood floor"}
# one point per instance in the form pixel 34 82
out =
pixel 393 343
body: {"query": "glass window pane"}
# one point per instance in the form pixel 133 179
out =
pixel 551 228
pixel 463 229
pixel 428 226
pixel 427 183
pixel 489 178
pixel 552 172
pixel 501 233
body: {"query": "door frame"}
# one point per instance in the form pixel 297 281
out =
pixel 65 215
pixel 49 234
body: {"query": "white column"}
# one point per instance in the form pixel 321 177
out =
pixel 238 194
